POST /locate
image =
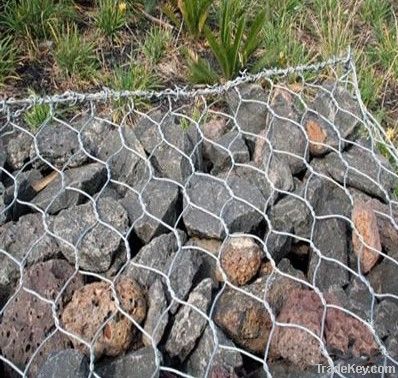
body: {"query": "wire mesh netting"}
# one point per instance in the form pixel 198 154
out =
pixel 247 229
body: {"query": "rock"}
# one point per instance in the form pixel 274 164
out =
pixel 3 156
pixel 57 145
pixel 157 314
pixel 93 310
pixel 383 278
pixel 299 347
pixel 230 146
pixel 207 202
pixel 175 152
pixel 328 125
pixel 248 105
pixel 3 209
pixel 17 145
pixel 68 363
pixel 189 324
pixel 229 360
pixel 23 189
pixel 246 320
pixel 240 259
pixel 285 133
pixel 359 168
pixel 160 199
pixel 359 298
pixel 365 237
pixel 329 237
pixel 386 319
pixel 26 241
pixel 157 256
pixel 138 364
pixel 283 370
pixel 56 196
pixel 94 242
pixel 120 150
pixel 28 320
pixel 212 130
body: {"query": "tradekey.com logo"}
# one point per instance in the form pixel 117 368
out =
pixel 356 369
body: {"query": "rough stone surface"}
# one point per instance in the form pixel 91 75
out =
pixel 360 169
pixel 383 277
pixel 173 152
pixel 139 364
pixel 23 239
pixel 211 196
pixel 17 145
pixel 27 320
pixel 120 150
pixel 328 124
pixel 228 360
pixel 55 197
pixel 91 308
pixel 158 255
pixel 366 239
pixel 230 144
pixel 3 156
pixel 240 259
pixel 160 199
pixel 386 318
pixel 68 363
pixel 189 324
pixel 99 243
pixel 157 315
pixel 212 130
pixel 3 214
pixel 250 114
pixel 330 240
pixel 58 145
pixel 285 133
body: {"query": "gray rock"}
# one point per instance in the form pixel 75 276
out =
pixel 3 156
pixel 333 123
pixel 25 240
pixel 58 145
pixel 359 298
pixel 286 370
pixel 175 152
pixel 96 243
pixel 358 168
pixel 68 363
pixel 156 255
pixel 55 197
pixel 229 360
pixel 160 200
pixel 211 196
pixel 383 277
pixel 250 115
pixel 139 364
pixel 230 144
pixel 189 323
pixel 17 145
pixel 157 315
pixel 3 211
pixel 329 238
pixel 386 318
pixel 284 133
pixel 120 150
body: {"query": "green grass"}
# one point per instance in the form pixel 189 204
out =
pixel 37 115
pixel 155 44
pixel 74 55
pixel 111 16
pixel 8 59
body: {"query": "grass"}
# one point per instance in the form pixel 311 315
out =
pixel 127 43
pixel 37 115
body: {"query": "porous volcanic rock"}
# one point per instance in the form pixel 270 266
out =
pixel 366 238
pixel 95 242
pixel 240 259
pixel 93 309
pixel 27 320
pixel 17 145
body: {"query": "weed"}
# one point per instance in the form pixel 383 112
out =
pixel 155 44
pixel 194 14
pixel 74 55
pixel 8 59
pixel 35 19
pixel 111 16
pixel 37 115
pixel 375 11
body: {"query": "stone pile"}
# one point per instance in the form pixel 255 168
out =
pixel 271 232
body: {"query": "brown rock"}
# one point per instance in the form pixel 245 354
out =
pixel 240 259
pixel 303 308
pixel 27 320
pixel 365 222
pixel 316 135
pixel 91 308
